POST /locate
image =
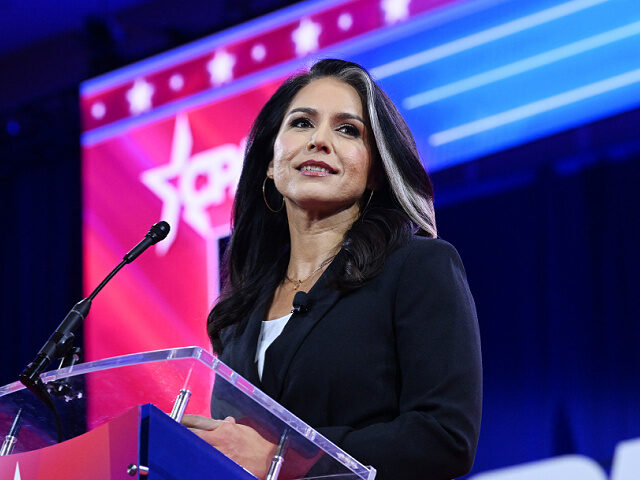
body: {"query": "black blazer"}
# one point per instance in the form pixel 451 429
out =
pixel 390 372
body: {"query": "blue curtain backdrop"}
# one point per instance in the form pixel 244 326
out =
pixel 40 243
pixel 549 235
pixel 552 258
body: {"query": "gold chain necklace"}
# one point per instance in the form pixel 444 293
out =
pixel 297 283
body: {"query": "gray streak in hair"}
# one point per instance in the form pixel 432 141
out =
pixel 418 208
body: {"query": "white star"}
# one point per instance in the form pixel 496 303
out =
pixel 220 67
pixel 16 475
pixel 345 21
pixel 178 183
pixel 139 96
pixel 176 82
pixel 395 10
pixel 157 179
pixel 306 36
pixel 98 110
pixel 258 52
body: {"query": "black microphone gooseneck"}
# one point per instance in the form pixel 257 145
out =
pixel 62 339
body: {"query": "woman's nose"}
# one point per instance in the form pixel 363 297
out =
pixel 319 141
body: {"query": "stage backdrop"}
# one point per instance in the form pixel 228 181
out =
pixel 163 139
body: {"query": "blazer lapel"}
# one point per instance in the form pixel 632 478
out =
pixel 243 353
pixel 281 352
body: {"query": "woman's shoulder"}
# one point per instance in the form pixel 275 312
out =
pixel 424 261
pixel 431 274
pixel 431 245
pixel 426 250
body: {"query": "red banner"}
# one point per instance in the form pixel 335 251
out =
pixel 103 453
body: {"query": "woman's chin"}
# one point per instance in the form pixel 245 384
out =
pixel 323 207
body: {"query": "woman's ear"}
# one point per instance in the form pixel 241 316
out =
pixel 270 170
pixel 376 177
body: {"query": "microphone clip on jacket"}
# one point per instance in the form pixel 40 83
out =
pixel 301 303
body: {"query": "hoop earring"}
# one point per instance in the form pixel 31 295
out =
pixel 264 195
pixel 368 202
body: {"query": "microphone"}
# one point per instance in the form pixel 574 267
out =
pixel 62 339
pixel 157 232
pixel 301 303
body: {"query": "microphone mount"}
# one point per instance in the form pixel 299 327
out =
pixel 61 341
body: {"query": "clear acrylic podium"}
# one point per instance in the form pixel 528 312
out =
pixel 115 420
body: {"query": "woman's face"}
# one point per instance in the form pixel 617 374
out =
pixel 321 155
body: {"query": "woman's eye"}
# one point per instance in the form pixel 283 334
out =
pixel 349 130
pixel 300 122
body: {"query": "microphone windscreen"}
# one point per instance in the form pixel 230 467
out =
pixel 301 302
pixel 159 232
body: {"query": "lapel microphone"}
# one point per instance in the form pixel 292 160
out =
pixel 301 303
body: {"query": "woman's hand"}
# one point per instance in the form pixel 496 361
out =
pixel 240 443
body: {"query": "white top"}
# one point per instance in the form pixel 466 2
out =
pixel 269 331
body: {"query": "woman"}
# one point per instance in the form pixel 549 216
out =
pixel 381 355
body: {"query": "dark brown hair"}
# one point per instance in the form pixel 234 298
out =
pixel 258 253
